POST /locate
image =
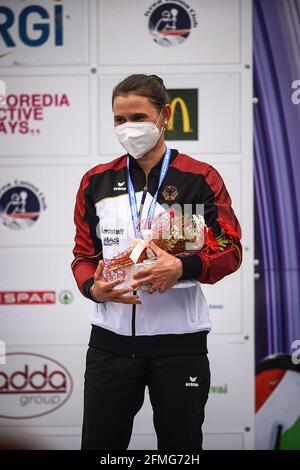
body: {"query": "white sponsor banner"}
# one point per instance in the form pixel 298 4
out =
pixel 45 115
pixel 211 441
pixel 37 205
pixel 218 113
pixel 35 33
pixel 169 32
pixel 225 441
pixel 232 376
pixel 42 386
pixel 226 309
pixel 43 300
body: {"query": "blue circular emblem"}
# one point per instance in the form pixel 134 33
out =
pixel 19 207
pixel 170 24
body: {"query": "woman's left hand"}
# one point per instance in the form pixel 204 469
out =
pixel 162 275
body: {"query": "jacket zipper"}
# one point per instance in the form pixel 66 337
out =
pixel 133 316
pixel 143 197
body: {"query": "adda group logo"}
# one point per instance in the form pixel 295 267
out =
pixel 32 385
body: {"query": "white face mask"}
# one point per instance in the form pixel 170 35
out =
pixel 138 138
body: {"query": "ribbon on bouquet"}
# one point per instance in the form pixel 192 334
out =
pixel 140 245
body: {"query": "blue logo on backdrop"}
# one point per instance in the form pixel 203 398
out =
pixel 170 23
pixel 20 205
pixel 34 26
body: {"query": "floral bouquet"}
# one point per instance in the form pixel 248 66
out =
pixel 175 233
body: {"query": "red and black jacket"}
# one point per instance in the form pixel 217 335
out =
pixel 196 182
pixel 192 182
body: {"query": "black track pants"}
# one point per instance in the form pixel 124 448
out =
pixel 114 393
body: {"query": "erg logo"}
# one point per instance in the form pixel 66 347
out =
pixel 33 24
pixel 32 385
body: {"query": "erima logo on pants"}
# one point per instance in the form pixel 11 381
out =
pixel 192 382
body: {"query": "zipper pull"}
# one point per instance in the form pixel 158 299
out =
pixel 146 184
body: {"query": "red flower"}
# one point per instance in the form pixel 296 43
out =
pixel 210 240
pixel 228 229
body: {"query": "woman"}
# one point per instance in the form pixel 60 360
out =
pixel 155 337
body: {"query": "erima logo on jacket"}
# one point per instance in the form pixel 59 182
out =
pixel 120 186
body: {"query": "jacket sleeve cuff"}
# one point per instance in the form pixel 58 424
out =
pixel 86 287
pixel 191 267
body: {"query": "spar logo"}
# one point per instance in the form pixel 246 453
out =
pixel 170 23
pixel 37 297
pixel 27 297
pixel 31 25
pixel 20 204
pixel 32 385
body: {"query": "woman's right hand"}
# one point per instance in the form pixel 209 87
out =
pixel 104 291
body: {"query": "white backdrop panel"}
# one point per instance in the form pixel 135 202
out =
pixel 50 323
pixel 225 309
pixel 55 124
pixel 55 226
pixel 226 441
pixel 216 38
pixel 230 371
pixel 48 37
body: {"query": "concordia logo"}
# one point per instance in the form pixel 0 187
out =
pixel 32 385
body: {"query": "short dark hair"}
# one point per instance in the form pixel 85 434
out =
pixel 150 86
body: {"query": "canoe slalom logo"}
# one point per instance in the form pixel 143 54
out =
pixel 20 204
pixel 170 23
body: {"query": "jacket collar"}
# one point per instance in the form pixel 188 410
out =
pixel 134 164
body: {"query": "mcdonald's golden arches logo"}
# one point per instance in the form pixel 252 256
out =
pixel 183 124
